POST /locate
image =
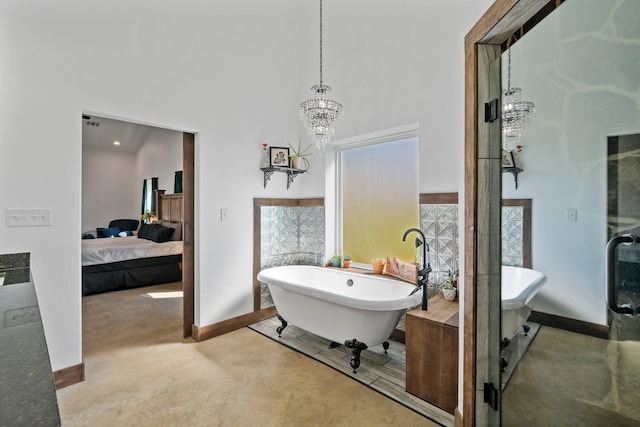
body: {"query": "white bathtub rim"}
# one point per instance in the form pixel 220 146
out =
pixel 527 293
pixel 405 302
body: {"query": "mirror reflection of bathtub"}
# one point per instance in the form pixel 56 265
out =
pixel 519 286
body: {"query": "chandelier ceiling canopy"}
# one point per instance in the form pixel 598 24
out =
pixel 320 113
pixel 516 113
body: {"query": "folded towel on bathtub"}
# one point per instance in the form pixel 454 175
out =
pixel 407 271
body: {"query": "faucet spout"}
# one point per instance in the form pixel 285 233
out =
pixel 425 266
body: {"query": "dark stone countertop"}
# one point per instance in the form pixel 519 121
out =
pixel 27 391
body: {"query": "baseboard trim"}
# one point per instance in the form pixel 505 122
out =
pixel 68 376
pixel 398 335
pixel 573 325
pixel 216 329
pixel 457 422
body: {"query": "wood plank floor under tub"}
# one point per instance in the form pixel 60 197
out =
pixel 382 372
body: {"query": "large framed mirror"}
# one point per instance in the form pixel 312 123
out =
pixel 579 62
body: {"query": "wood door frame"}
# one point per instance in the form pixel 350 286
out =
pixel 483 182
pixel 188 232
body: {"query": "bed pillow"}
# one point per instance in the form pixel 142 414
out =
pixel 177 227
pixel 158 233
pixel 108 232
pixel 143 230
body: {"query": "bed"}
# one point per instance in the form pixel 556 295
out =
pixel 125 262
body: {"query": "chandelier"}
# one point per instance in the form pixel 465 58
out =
pixel 320 113
pixel 516 113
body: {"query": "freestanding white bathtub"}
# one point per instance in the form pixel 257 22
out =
pixel 356 310
pixel 519 286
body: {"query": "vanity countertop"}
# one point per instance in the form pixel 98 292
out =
pixel 27 391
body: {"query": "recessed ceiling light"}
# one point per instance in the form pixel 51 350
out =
pixel 116 142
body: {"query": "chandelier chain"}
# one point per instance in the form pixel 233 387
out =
pixel 320 42
pixel 509 73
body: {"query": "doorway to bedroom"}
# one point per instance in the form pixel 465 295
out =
pixel 118 157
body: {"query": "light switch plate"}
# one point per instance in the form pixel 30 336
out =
pixel 28 217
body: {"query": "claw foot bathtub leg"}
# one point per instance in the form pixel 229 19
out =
pixel 356 347
pixel 334 344
pixel 526 329
pixel 279 329
pixel 385 346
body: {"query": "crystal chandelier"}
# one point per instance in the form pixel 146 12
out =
pixel 320 113
pixel 516 114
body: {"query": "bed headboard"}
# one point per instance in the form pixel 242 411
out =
pixel 169 206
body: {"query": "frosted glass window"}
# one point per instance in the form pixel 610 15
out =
pixel 380 200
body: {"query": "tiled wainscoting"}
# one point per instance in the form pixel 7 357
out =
pixel 290 235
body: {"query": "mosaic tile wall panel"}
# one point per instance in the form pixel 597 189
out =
pixel 512 235
pixel 290 236
pixel 439 223
pixel 295 235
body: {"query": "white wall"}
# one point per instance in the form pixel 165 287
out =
pixel 224 70
pixel 234 73
pixel 581 69
pixel 107 189
pixel 397 63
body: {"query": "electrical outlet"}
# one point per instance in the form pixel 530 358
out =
pixel 572 215
pixel 28 217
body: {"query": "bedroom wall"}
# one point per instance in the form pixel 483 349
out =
pixel 159 155
pixel 106 187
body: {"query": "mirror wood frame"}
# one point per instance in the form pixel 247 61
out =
pixel 483 194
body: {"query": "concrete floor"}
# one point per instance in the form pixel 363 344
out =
pixel 140 372
pixel 569 379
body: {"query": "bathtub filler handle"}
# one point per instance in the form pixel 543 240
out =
pixel 425 266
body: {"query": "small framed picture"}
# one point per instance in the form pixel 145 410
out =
pixel 279 157
pixel 508 160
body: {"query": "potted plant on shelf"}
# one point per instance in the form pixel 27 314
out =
pixel 378 265
pixel 346 261
pixel 336 260
pixel 449 288
pixel 298 157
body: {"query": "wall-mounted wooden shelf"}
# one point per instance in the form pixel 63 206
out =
pixel 291 174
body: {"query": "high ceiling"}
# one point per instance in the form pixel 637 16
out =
pixel 100 132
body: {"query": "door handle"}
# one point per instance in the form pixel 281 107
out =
pixel 627 309
pixel 186 233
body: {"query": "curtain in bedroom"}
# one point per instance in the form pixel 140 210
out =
pixel 177 182
pixel 149 187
